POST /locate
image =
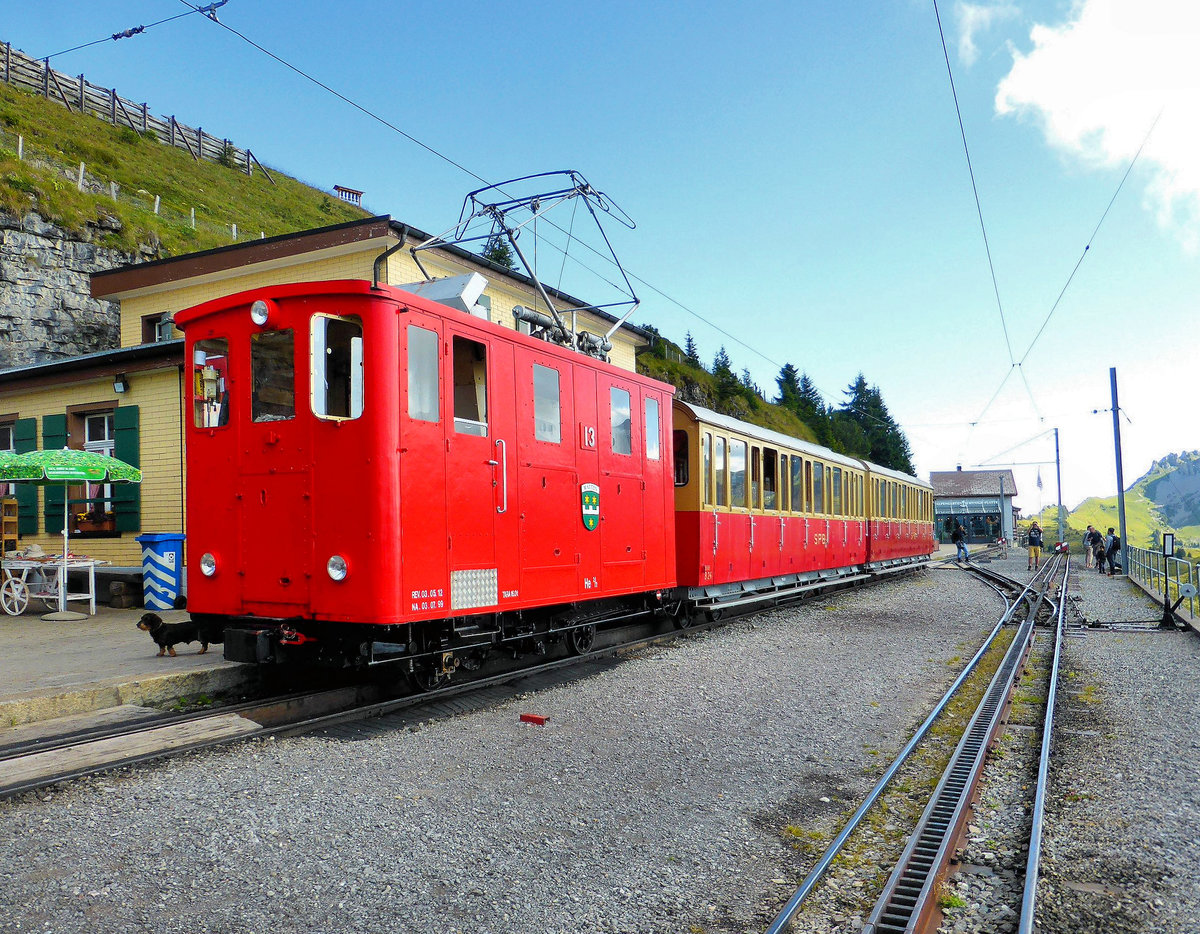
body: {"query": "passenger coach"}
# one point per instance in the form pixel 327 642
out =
pixel 759 514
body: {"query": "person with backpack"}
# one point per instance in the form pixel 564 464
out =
pixel 1112 547
pixel 1035 546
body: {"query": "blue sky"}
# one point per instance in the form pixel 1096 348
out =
pixel 796 173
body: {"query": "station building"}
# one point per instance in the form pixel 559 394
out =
pixel 982 500
pixel 130 401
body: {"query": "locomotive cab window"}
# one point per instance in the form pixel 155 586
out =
pixel 337 367
pixel 422 374
pixel 680 442
pixel 547 408
pixel 470 387
pixel 620 421
pixel 210 383
pixel 273 376
pixel 652 448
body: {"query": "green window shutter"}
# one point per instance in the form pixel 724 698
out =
pixel 25 439
pixel 127 497
pixel 54 437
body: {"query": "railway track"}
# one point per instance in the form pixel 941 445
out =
pixel 912 898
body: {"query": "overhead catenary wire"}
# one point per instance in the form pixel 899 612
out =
pixel 430 149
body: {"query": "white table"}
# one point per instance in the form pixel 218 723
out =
pixel 38 579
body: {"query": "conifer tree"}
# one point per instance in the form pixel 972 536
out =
pixel 788 382
pixel 691 352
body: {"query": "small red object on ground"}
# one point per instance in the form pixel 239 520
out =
pixel 533 718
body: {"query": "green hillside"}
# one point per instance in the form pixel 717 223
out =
pixel 56 140
pixel 1147 503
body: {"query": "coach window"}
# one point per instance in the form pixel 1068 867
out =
pixel 755 477
pixel 679 440
pixel 620 420
pixel 337 367
pixel 799 502
pixel 422 374
pixel 470 387
pixel 818 487
pixel 706 467
pixel 784 504
pixel 836 492
pixel 737 473
pixel 720 473
pixel 652 432
pixel 273 376
pixel 210 383
pixel 770 479
pixel 547 407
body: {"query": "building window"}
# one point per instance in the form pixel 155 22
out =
pixel 273 376
pixel 422 374
pixel 470 387
pixel 90 509
pixel 337 367
pixel 621 421
pixel 547 406
pixel 7 444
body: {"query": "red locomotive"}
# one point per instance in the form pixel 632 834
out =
pixel 373 476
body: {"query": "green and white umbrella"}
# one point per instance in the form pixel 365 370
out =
pixel 65 466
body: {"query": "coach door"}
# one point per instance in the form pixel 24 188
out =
pixel 480 465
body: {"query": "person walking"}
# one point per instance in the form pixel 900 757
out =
pixel 1035 547
pixel 959 537
pixel 1112 546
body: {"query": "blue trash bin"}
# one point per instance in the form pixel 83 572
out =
pixel 162 569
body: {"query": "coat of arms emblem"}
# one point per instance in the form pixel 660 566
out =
pixel 589 496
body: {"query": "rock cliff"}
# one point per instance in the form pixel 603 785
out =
pixel 46 309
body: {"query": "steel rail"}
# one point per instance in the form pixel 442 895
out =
pixel 1029 896
pixel 784 918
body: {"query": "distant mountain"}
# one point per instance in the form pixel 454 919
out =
pixel 1165 499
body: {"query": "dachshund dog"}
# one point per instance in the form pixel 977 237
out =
pixel 169 635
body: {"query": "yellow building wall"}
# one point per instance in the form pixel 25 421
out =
pixel 156 393
pixel 401 268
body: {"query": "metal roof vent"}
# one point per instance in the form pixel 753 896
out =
pixel 462 292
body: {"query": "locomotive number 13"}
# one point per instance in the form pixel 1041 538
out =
pixel 587 437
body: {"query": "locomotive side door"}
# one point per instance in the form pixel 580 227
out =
pixel 424 575
pixel 480 465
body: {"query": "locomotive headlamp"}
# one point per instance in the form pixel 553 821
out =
pixel 259 312
pixel 337 568
pixel 208 564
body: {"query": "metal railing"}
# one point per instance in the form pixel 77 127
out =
pixel 1166 575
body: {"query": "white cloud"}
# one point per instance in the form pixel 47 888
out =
pixel 974 18
pixel 1097 83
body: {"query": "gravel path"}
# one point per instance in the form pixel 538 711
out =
pixel 655 799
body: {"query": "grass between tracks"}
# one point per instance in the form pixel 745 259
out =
pixel 859 872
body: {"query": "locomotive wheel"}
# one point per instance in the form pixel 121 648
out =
pixel 581 640
pixel 14 596
pixel 682 620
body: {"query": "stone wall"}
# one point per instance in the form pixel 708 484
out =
pixel 46 309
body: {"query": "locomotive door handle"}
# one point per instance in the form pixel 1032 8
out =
pixel 716 530
pixel 781 533
pixel 503 455
pixel 752 533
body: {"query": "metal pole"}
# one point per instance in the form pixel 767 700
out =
pixel 1116 413
pixel 1062 535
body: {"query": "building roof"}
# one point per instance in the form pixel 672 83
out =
pixel 972 482
pixel 93 365
pixel 115 283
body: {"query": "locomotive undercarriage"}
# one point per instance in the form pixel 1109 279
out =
pixel 432 650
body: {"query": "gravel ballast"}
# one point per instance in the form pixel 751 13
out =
pixel 655 798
